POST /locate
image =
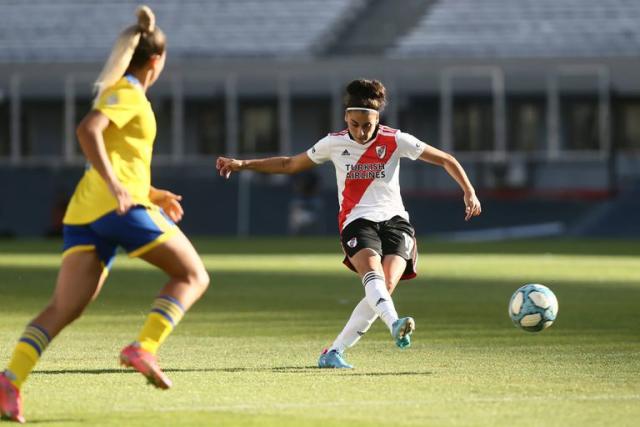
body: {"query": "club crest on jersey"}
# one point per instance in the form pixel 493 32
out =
pixel 112 99
pixel 381 151
pixel 352 243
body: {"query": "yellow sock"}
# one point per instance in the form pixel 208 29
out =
pixel 165 314
pixel 32 343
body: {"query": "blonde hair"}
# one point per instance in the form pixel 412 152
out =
pixel 137 42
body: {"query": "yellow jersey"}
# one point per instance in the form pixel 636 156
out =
pixel 129 143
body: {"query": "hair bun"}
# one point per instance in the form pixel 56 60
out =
pixel 146 19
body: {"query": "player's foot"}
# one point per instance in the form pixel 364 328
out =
pixel 401 329
pixel 332 359
pixel 10 402
pixel 404 342
pixel 145 363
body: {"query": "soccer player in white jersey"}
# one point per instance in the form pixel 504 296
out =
pixel 377 238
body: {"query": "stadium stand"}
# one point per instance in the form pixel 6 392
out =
pixel 566 69
pixel 525 28
pixel 75 30
pixel 376 27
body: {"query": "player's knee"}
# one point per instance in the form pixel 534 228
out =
pixel 199 278
pixel 204 280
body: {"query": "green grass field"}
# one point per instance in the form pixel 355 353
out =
pixel 246 354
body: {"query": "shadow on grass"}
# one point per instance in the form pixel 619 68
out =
pixel 278 369
pixel 275 369
pixel 389 374
pixel 329 245
pixel 57 420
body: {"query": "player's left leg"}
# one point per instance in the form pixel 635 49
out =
pixel 399 251
pixel 394 267
pixel 81 276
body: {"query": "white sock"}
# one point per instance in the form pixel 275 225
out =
pixel 379 298
pixel 360 321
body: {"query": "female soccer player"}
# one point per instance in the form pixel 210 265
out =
pixel 114 205
pixel 377 238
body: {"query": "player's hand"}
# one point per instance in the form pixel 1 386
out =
pixel 169 202
pixel 471 206
pixel 226 165
pixel 123 198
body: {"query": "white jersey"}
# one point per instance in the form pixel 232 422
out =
pixel 367 174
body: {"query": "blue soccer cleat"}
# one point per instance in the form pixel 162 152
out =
pixel 404 342
pixel 401 331
pixel 332 359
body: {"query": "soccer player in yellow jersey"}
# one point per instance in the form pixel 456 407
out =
pixel 114 205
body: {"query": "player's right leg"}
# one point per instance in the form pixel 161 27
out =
pixel 188 280
pixel 79 280
pixel 362 317
pixel 368 264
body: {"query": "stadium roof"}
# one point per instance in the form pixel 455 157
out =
pixel 84 30
pixel 525 28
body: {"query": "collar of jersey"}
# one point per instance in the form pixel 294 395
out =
pixel 369 142
pixel 133 80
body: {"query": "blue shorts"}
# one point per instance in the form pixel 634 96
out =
pixel 138 231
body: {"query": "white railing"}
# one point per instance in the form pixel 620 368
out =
pixel 283 91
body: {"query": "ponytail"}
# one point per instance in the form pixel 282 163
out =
pixel 138 42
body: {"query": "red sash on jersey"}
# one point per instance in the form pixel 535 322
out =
pixel 380 151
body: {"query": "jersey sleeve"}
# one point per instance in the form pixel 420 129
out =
pixel 409 146
pixel 120 105
pixel 320 152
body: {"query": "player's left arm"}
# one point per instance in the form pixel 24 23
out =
pixel 452 166
pixel 168 201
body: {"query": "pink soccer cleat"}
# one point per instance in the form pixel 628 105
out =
pixel 144 362
pixel 10 402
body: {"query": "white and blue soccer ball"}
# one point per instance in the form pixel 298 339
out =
pixel 533 307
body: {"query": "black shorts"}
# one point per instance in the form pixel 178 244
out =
pixel 392 237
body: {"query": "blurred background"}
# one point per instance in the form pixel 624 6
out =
pixel 539 100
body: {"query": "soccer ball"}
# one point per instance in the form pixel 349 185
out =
pixel 533 307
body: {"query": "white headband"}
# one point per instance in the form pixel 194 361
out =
pixel 371 110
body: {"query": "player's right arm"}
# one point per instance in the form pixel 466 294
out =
pixel 91 141
pixel 272 165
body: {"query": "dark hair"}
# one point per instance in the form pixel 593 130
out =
pixel 365 93
pixel 152 39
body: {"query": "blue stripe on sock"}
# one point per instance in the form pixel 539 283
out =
pixel 41 329
pixel 36 337
pixel 32 343
pixel 164 314
pixel 172 300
